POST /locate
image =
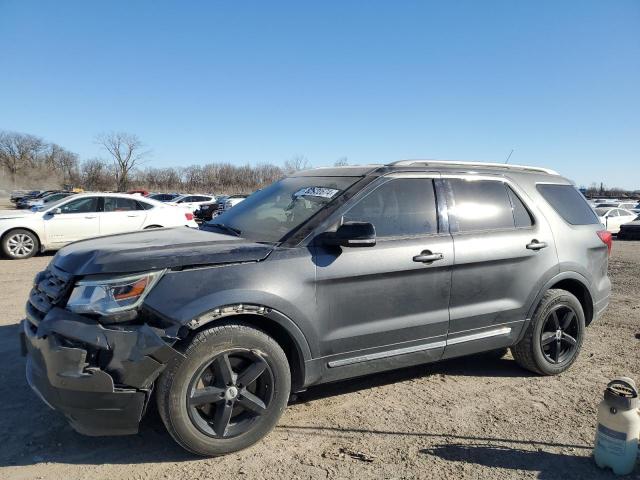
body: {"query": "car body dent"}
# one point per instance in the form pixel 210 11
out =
pixel 157 249
pixel 188 295
pixel 97 399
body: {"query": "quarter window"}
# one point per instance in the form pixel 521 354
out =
pixel 400 207
pixel 569 203
pixel 521 215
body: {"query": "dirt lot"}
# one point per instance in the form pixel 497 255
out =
pixel 472 418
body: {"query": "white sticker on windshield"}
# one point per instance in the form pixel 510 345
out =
pixel 322 192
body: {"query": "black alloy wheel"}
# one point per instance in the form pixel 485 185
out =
pixel 559 334
pixel 554 335
pixel 228 394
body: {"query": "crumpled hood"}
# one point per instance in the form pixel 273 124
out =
pixel 7 214
pixel 156 249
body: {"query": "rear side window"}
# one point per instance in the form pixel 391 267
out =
pixel 144 205
pixel 569 203
pixel 481 205
pixel 401 207
pixel 117 204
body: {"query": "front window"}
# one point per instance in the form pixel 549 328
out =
pixel 399 208
pixel 270 214
pixel 81 205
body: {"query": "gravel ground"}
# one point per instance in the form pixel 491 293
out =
pixel 471 418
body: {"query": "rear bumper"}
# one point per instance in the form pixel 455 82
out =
pixel 63 357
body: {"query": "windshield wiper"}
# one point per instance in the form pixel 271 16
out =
pixel 226 228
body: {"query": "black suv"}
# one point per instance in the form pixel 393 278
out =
pixel 325 275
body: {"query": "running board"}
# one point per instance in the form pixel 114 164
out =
pixel 419 348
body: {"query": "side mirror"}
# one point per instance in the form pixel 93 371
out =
pixel 56 211
pixel 352 234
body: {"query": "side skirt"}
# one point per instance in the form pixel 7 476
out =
pixel 321 371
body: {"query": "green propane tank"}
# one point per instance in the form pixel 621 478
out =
pixel 618 427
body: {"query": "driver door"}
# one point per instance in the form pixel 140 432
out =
pixel 77 220
pixel 382 306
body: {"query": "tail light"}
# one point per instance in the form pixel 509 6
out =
pixel 607 239
pixel 189 217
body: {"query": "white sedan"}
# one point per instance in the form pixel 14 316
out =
pixel 24 233
pixel 191 202
pixel 612 218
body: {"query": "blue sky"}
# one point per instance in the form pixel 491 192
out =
pixel 254 82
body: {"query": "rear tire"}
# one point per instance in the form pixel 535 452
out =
pixel 19 244
pixel 228 391
pixel 554 336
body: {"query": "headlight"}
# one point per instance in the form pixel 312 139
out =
pixel 111 295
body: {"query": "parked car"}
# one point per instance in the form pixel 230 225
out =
pixel 164 197
pixel 39 203
pixel 27 201
pixel 191 202
pixel 230 202
pixel 82 216
pixel 17 195
pixel 625 205
pixel 630 230
pixel 325 275
pixel 206 211
pixel 612 218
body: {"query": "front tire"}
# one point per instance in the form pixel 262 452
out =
pixel 228 391
pixel 19 244
pixel 554 336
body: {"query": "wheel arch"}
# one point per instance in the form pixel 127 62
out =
pixel 573 283
pixel 275 324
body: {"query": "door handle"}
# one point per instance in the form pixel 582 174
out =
pixel 536 245
pixel 133 215
pixel 88 216
pixel 427 256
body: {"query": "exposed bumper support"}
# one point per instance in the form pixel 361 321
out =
pixel 64 353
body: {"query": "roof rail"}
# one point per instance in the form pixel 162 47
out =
pixel 453 163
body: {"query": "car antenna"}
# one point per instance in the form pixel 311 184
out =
pixel 509 156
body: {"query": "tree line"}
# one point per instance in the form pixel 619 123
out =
pixel 28 161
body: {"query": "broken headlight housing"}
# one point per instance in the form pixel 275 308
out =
pixel 111 295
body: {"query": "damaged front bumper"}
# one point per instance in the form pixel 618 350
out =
pixel 100 378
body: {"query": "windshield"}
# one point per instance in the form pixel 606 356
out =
pixel 270 214
pixel 602 211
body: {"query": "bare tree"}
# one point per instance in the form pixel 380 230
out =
pixel 96 175
pixel 127 152
pixel 19 152
pixel 296 163
pixel 341 162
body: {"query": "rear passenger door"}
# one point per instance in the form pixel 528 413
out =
pixel 381 306
pixel 121 215
pixel 502 253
